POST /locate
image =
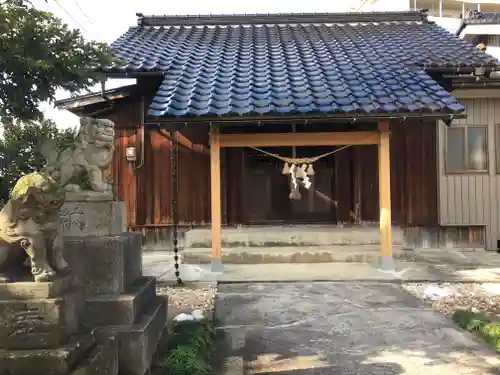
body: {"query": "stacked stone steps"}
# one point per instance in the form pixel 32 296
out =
pixel 40 332
pixel 122 309
pixel 138 342
pixel 291 244
pixel 119 302
pixel 103 319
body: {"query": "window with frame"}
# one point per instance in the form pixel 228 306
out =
pixel 497 148
pixel 466 149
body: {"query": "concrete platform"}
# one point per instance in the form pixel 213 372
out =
pixel 291 235
pixel 344 329
pixel 294 254
pixel 440 267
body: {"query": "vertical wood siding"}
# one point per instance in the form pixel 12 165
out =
pixel 472 199
pixel 353 182
pixel 147 191
pixel 351 179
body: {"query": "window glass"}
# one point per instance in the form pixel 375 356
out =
pixel 477 151
pixel 455 150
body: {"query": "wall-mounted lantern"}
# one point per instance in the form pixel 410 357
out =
pixel 131 154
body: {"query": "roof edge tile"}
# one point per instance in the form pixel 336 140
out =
pixel 278 18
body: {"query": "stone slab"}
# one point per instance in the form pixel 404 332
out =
pixel 34 290
pixel 88 196
pixel 96 218
pixel 39 324
pixel 119 310
pixel 132 258
pixel 292 235
pixel 294 254
pixel 104 265
pixel 102 360
pixel 343 328
pixel 137 344
pixel 60 361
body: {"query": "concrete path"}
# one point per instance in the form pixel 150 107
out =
pixel 160 265
pixel 342 328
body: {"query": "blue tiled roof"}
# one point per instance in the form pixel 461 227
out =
pixel 265 68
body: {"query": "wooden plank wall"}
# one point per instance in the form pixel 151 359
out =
pixel 355 182
pixel 147 190
pixel 414 177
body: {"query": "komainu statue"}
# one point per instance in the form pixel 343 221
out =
pixel 81 167
pixel 30 225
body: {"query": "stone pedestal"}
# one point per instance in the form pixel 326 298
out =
pixel 118 302
pixel 94 218
pixel 41 334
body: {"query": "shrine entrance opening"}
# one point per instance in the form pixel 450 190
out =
pixel 301 170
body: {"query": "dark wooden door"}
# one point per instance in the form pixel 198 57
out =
pixel 266 195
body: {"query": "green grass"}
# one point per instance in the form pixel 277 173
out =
pixel 189 350
pixel 480 324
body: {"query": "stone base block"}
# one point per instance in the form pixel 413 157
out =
pixel 39 323
pixel 102 360
pixel 119 310
pixel 138 343
pixel 60 361
pixel 34 290
pixel 94 218
pixel 104 265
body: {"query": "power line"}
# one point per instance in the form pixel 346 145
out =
pixel 83 12
pixel 96 28
pixel 71 16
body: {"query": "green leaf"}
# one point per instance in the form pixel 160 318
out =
pixel 41 54
pixel 20 150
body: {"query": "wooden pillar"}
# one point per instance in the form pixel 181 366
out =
pixel 384 168
pixel 215 192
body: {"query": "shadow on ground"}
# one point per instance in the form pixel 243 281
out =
pixel 342 328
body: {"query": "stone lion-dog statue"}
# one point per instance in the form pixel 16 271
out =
pixel 87 158
pixel 30 225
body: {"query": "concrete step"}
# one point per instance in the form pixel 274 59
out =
pixel 294 254
pixel 289 236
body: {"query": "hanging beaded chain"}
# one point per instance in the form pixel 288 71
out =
pixel 175 218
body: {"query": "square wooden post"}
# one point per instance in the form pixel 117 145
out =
pixel 215 194
pixel 384 171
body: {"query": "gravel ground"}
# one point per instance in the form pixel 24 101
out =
pixel 448 297
pixel 189 297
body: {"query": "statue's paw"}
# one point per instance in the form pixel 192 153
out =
pixel 42 274
pixel 45 276
pixel 100 187
pixel 73 188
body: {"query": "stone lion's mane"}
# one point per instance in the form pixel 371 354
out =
pixel 25 192
pixel 85 137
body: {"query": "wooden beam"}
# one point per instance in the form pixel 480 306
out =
pixel 300 139
pixel 215 191
pixel 384 167
pixel 185 142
